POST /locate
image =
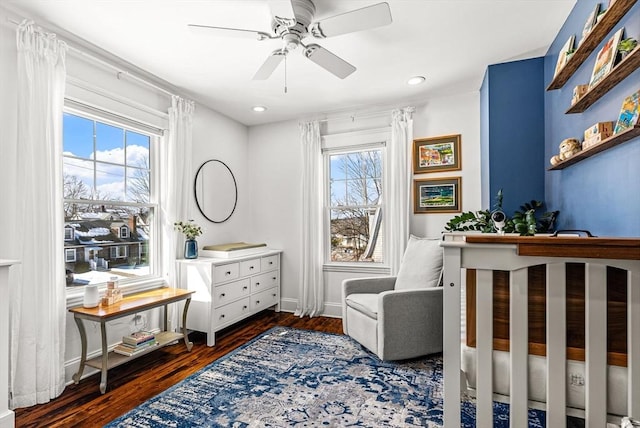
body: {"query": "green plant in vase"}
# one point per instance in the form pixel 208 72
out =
pixel 190 231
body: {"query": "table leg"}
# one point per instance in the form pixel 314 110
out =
pixel 83 355
pixel 184 324
pixel 105 357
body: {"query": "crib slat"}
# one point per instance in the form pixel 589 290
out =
pixel 556 345
pixel 596 345
pixel 484 348
pixel 633 345
pixel 519 347
pixel 451 338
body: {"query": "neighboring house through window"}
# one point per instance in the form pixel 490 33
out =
pixel 109 199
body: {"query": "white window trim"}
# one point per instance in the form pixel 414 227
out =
pixel 72 233
pixel 75 106
pixel 347 142
pixel 123 231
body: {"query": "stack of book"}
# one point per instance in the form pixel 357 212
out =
pixel 136 343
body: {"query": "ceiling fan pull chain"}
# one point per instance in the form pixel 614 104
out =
pixel 285 74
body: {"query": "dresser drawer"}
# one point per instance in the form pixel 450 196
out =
pixel 264 299
pixel 226 293
pixel 249 267
pixel 264 281
pixel 270 262
pixel 230 312
pixel 226 273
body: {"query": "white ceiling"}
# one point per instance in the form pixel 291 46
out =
pixel 450 42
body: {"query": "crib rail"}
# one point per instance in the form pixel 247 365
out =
pixel 486 253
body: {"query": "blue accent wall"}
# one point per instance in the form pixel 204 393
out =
pixel 512 133
pixel 602 193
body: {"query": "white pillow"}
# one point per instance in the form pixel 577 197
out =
pixel 421 265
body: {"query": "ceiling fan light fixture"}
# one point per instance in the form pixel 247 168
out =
pixel 416 80
pixel 259 109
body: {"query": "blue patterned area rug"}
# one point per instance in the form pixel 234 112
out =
pixel 298 378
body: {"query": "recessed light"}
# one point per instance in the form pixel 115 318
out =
pixel 259 109
pixel 416 80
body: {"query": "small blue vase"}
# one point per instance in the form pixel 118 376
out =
pixel 190 249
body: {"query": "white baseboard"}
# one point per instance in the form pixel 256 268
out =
pixel 7 419
pixel 331 310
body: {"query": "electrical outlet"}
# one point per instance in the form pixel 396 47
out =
pixel 576 379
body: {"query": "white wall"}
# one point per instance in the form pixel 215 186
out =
pixel 275 171
pixel 454 114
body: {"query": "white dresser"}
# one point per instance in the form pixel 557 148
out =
pixel 229 290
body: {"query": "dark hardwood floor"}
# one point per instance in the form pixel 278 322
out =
pixel 133 383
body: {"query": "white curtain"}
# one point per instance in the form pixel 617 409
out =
pixel 311 288
pixel 177 183
pixel 398 188
pixel 38 300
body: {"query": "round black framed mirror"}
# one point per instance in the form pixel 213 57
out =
pixel 216 191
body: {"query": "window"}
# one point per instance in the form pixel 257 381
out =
pixel 70 255
pixel 355 205
pixel 109 201
pixel 68 234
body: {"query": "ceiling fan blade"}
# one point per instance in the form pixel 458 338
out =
pixel 373 16
pixel 234 32
pixel 328 60
pixel 269 65
pixel 282 11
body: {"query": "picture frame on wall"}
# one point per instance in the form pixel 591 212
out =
pixel 437 154
pixel 605 58
pixel 437 195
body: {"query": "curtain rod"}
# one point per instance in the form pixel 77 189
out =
pixel 355 116
pixel 119 71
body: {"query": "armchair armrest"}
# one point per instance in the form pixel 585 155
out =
pixel 367 285
pixel 410 322
pixel 374 285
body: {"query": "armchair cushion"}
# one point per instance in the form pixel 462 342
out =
pixel 367 303
pixel 421 265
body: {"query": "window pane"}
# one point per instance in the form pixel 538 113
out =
pixel 355 235
pixel 138 185
pixel 78 178
pixel 99 247
pixel 109 182
pixel 109 143
pixel 77 136
pixel 336 166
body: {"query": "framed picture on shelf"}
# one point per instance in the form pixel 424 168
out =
pixel 591 22
pixel 605 58
pixel 562 56
pixel 437 195
pixel 629 113
pixel 437 154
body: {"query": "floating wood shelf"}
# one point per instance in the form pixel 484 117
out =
pixel 591 41
pixel 627 66
pixel 613 141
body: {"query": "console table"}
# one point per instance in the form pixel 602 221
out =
pixel 130 304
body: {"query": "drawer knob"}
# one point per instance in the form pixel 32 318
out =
pixel 274 294
pixel 257 284
pixel 244 307
pixel 270 263
pixel 222 295
pixel 274 278
pixel 250 267
pixel 244 288
pixel 221 316
pixel 257 302
pixel 227 273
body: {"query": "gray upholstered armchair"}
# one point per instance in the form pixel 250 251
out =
pixel 398 317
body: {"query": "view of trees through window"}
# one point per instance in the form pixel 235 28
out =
pixel 355 206
pixel 108 209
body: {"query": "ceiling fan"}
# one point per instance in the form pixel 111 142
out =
pixel 293 20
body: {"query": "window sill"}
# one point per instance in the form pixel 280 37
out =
pixel 75 295
pixel 356 268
